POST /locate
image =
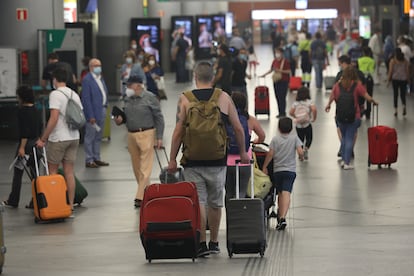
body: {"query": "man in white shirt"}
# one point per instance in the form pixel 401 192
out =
pixel 62 142
pixel 375 44
pixel 95 103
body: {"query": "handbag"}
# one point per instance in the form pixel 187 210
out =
pixel 262 182
pixel 277 76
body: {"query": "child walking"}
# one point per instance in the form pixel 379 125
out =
pixel 282 149
pixel 29 132
pixel 304 113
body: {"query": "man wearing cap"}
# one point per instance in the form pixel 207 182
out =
pixel 145 125
pixel 95 102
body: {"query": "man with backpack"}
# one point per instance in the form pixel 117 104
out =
pixel 62 141
pixel 200 129
pixel 319 59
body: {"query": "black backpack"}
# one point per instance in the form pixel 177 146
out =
pixel 345 105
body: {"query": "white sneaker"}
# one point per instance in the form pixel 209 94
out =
pixel 342 163
pixel 348 167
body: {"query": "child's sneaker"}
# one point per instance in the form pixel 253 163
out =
pixel 214 247
pixel 203 250
pixel 281 225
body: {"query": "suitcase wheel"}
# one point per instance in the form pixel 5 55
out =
pixel 149 260
pixel 261 253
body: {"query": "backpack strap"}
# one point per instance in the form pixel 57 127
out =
pixel 190 96
pixel 215 96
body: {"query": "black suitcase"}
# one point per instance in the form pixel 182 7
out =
pixel 246 227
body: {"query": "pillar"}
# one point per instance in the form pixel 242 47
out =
pixel 113 36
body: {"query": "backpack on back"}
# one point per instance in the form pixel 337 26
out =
pixel 319 51
pixel 302 113
pixel 74 116
pixel 287 53
pixel 205 135
pixel 345 105
pixel 233 147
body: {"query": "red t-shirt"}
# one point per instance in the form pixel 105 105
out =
pixel 276 64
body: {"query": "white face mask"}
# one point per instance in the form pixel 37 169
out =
pixel 128 60
pixel 134 46
pixel 129 92
pixel 151 62
pixel 278 55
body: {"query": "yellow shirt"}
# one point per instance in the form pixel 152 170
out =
pixel 366 65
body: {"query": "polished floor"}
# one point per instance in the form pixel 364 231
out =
pixel 357 222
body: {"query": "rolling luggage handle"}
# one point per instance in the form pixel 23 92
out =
pixel 375 115
pixel 177 176
pixel 158 158
pixel 37 162
pixel 238 178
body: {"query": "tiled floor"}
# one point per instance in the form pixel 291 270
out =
pixel 357 222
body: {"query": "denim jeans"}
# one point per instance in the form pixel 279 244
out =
pixel 318 66
pixel 348 131
pixel 93 138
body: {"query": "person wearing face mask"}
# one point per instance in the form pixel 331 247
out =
pixel 133 46
pixel 153 72
pixel 280 65
pixel 238 82
pixel 145 124
pixel 222 79
pixel 95 103
pixel 61 142
pixel 130 68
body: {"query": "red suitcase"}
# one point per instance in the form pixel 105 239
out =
pixel 261 100
pixel 170 221
pixel 295 83
pixel 382 144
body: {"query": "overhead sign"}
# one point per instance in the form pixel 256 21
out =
pixel 22 14
pixel 294 14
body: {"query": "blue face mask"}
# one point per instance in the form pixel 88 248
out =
pixel 97 70
pixel 243 57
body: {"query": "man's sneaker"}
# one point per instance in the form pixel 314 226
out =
pixel 203 250
pixel 348 167
pixel 281 225
pixel 214 247
pixel 342 163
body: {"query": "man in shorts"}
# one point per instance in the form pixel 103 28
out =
pixel 62 142
pixel 208 175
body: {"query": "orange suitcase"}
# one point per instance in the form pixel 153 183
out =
pixel 50 196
